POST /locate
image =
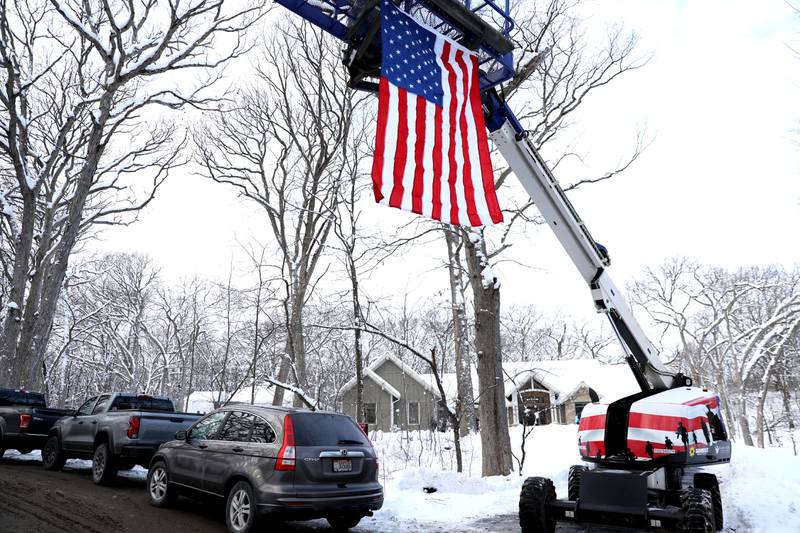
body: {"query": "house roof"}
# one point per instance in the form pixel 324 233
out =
pixel 204 401
pixel 562 378
pixel 407 370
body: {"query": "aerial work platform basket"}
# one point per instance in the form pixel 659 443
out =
pixel 484 26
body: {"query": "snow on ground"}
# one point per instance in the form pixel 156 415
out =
pixel 137 472
pixel 760 488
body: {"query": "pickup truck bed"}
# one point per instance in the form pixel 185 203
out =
pixel 25 421
pixel 116 431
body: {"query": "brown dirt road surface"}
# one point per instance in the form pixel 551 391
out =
pixel 33 500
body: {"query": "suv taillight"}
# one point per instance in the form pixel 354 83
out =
pixel 24 421
pixel 133 427
pixel 286 456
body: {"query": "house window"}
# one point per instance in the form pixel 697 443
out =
pixel 579 409
pixel 370 413
pixel 413 413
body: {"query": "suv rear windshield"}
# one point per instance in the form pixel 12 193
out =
pixel 142 403
pixel 17 397
pixel 320 429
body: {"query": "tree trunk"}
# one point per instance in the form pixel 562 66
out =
pixel 295 351
pixel 25 347
pixel 465 403
pixel 11 366
pixel 357 345
pixel 495 440
pixel 760 422
pixel 744 423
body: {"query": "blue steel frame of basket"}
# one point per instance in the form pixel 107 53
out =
pixel 487 24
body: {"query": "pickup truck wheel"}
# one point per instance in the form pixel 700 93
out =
pixel 240 509
pixel 24 451
pixel 161 494
pixel 104 469
pixel 53 457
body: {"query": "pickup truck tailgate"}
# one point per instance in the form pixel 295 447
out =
pixel 42 419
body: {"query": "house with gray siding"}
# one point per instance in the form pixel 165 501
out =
pixel 395 395
pixel 536 392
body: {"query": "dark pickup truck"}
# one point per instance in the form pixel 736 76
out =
pixel 116 431
pixel 25 420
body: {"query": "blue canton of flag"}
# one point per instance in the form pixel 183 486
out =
pixel 409 56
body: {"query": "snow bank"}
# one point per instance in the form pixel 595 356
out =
pixel 760 488
pixel 413 461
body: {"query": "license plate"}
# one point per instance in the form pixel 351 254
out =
pixel 342 465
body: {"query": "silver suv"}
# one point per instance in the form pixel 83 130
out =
pixel 289 464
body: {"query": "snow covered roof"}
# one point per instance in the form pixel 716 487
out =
pixel 203 401
pixel 563 378
pixel 382 383
pixel 264 395
pixel 206 401
pixel 370 371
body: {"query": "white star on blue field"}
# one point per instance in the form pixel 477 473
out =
pixel 409 55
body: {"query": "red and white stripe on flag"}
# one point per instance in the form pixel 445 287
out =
pixel 433 159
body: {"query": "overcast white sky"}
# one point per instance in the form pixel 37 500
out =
pixel 720 183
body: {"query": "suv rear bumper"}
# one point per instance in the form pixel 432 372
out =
pixel 301 506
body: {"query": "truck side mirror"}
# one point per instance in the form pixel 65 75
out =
pixel 181 434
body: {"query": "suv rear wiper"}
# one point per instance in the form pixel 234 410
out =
pixel 350 441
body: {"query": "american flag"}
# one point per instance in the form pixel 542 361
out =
pixel 432 153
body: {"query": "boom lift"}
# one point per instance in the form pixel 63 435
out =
pixel 643 450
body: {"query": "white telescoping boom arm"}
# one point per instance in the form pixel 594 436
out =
pixel 592 264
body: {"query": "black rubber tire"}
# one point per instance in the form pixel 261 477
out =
pixel 344 523
pixel 704 480
pixel 234 494
pixel 159 492
pixel 24 451
pixel 698 512
pixel 104 467
pixel 534 516
pixel 574 481
pixel 53 457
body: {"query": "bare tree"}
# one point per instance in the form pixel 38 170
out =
pixel 76 78
pixel 734 330
pixel 465 403
pixel 556 75
pixel 285 145
pixel 357 246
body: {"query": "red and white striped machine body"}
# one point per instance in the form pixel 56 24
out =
pixel 684 421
